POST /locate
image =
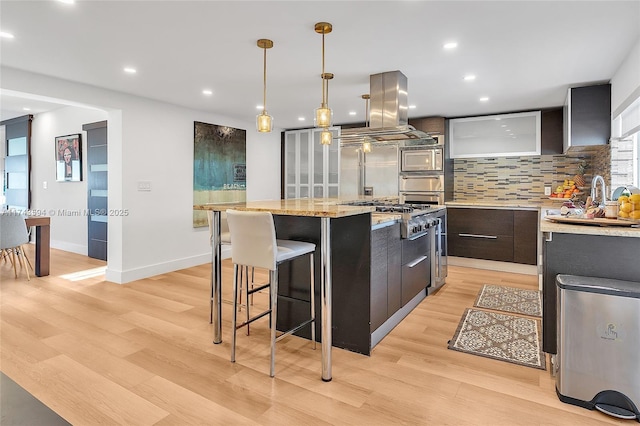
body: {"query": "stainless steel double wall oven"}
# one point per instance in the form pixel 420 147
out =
pixel 422 172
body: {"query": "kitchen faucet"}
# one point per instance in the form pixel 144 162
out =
pixel 594 191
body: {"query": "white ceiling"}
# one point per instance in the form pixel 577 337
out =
pixel 525 54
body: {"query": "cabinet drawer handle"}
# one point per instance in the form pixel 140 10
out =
pixel 489 237
pixel 415 262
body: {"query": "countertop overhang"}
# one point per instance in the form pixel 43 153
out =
pixel 313 207
pixel 611 231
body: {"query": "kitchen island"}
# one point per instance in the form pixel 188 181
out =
pixel 584 250
pixel 358 255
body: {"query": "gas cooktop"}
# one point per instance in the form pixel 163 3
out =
pixel 384 206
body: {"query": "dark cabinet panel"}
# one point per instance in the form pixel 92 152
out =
pixel 588 116
pixel 351 276
pixel 493 234
pixel 499 248
pixel 525 236
pixel 584 255
pixel 386 275
pixel 551 131
pixel 412 249
pixel 434 125
pixel 416 267
pixel 394 272
pixel 379 276
pixel 415 277
pixel 488 222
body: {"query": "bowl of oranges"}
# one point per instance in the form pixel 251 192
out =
pixel 567 190
pixel 629 207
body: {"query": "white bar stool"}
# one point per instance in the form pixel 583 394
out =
pixel 254 244
pixel 225 239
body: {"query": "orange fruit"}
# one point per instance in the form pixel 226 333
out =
pixel 623 214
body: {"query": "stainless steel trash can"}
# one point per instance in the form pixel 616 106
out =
pixel 598 359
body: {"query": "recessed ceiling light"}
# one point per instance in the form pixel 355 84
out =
pixel 484 99
pixel 450 45
pixel 301 118
pixel 67 1
pixel 412 107
pixel 6 35
pixel 259 107
pixel 130 70
pixel 504 125
pixel 352 113
pixel 469 77
pixel 26 109
pixel 207 92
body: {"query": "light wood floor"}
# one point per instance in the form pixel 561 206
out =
pixel 142 353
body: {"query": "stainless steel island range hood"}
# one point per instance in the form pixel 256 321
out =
pixel 389 106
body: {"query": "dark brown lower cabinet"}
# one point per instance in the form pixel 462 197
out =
pixel 416 267
pixel 385 274
pixel 493 234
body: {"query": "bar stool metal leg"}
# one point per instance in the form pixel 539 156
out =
pixel 246 302
pixel 313 303
pixel 235 313
pixel 274 318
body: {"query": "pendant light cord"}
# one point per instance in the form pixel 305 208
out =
pixel 264 90
pixel 324 103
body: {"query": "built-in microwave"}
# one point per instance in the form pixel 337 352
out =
pixel 422 158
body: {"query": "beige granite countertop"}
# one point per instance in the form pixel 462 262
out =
pixel 379 218
pixel 314 207
pixel 568 228
pixel 515 204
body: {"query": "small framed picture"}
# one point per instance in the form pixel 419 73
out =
pixel 69 158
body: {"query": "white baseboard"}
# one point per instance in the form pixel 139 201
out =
pixel 73 248
pixel 492 265
pixel 123 277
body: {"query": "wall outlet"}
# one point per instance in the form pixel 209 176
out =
pixel 144 185
pixel 547 190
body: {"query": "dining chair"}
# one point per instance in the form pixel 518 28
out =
pixel 13 234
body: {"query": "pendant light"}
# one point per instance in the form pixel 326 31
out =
pixel 326 136
pixel 323 115
pixel 264 121
pixel 366 143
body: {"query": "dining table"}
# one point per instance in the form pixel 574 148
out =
pixel 43 243
pixel 327 209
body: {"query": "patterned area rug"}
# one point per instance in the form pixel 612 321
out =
pixel 500 336
pixel 509 299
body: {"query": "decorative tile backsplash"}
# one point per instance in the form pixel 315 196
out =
pixel 524 178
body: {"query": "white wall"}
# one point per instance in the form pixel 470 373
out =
pixel 625 83
pixel 68 233
pixel 153 141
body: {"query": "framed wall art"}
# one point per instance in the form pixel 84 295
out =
pixel 219 166
pixel 69 158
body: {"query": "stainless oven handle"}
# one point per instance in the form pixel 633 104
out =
pixel 415 262
pixel 439 246
pixel 488 237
